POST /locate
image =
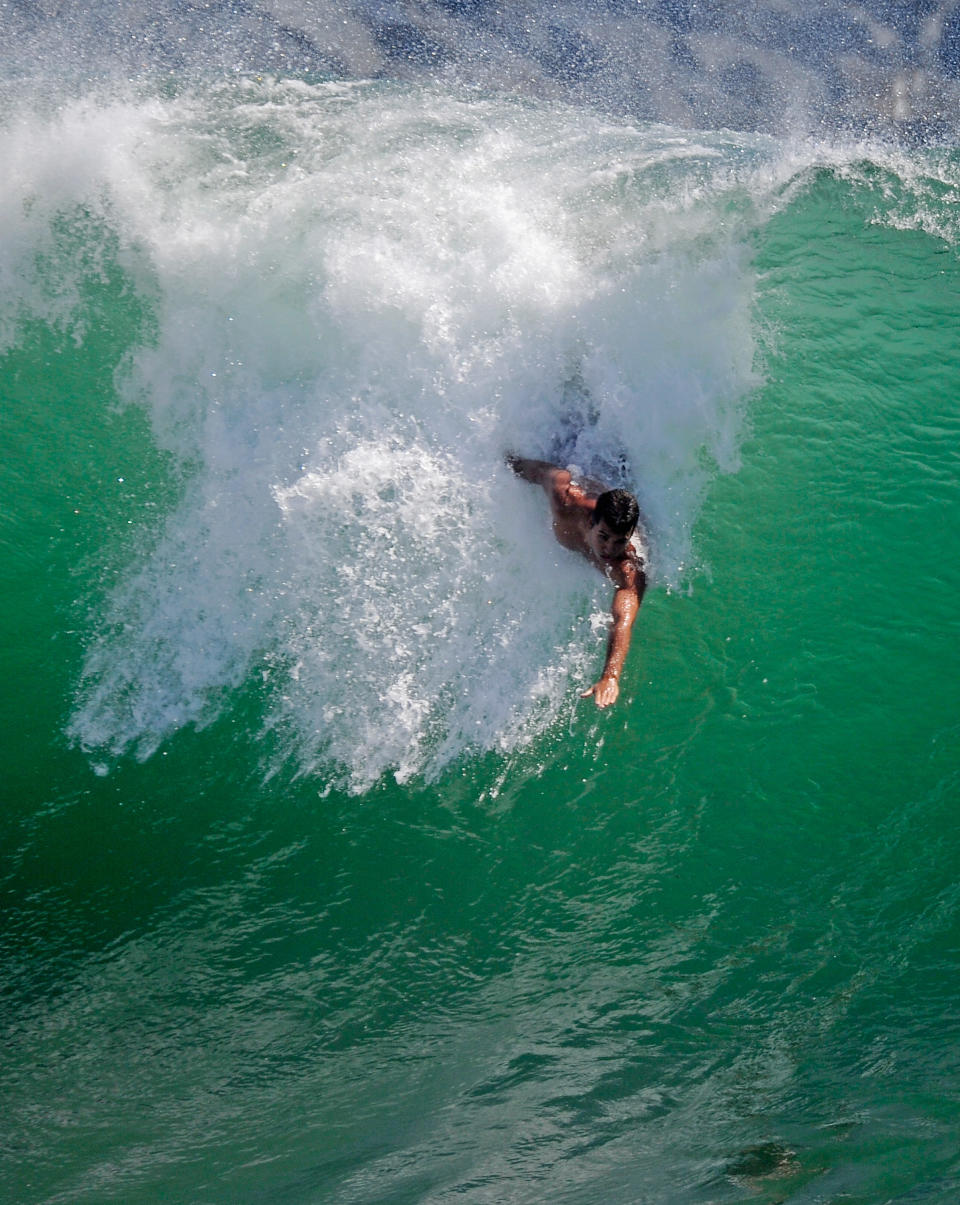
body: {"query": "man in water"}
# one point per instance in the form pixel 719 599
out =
pixel 598 523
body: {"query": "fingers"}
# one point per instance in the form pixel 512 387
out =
pixel 604 693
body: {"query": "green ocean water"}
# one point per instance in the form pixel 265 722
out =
pixel 415 924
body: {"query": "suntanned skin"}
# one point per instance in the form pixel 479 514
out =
pixel 572 504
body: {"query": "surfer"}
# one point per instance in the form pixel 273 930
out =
pixel 599 524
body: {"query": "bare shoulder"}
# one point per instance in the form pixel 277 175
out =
pixel 629 574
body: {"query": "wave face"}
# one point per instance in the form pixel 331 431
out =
pixel 360 297
pixel 319 881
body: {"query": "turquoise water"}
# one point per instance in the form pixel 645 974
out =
pixel 319 881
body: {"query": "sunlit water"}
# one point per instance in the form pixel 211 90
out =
pixel 320 881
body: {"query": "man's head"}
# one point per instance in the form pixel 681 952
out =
pixel 614 519
pixel 618 510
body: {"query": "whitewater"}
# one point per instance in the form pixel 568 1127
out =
pixel 360 298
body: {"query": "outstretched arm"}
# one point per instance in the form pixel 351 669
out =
pixel 626 603
pixel 555 481
pixel 540 472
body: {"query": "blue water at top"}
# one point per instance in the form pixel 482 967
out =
pixel 889 67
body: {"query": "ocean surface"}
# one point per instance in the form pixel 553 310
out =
pixel 319 881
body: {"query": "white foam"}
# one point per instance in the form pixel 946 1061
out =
pixel 363 297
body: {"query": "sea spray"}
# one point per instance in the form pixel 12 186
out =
pixel 783 67
pixel 350 283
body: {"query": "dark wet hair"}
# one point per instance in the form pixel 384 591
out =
pixel 619 510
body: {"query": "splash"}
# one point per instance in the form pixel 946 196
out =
pixel 779 66
pixel 362 296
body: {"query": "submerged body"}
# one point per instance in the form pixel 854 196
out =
pixel 599 524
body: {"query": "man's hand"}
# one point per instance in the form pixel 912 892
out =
pixel 626 602
pixel 604 692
